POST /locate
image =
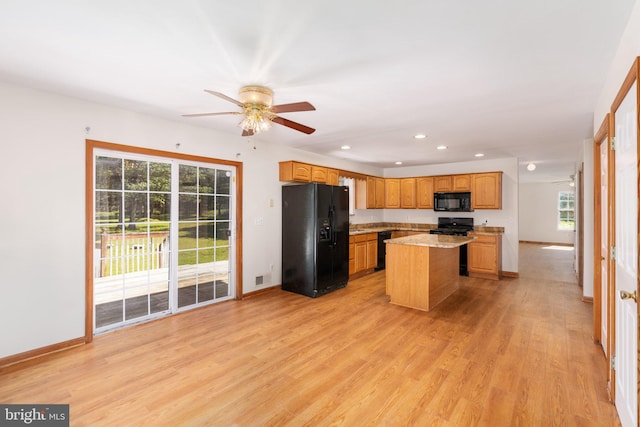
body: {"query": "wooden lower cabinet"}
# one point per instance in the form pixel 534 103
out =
pixel 485 256
pixel 363 252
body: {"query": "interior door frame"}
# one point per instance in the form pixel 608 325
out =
pixel 603 136
pixel 633 76
pixel 90 147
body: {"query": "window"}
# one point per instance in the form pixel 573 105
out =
pixel 351 183
pixel 566 210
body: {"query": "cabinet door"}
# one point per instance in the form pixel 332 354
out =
pixel 408 193
pixel 424 190
pixel 379 186
pixel 392 193
pixel 486 192
pixel 319 174
pixel 484 255
pixel 442 183
pixel 371 192
pixel 295 171
pixel 372 251
pixel 360 256
pixel 332 177
pixel 462 182
pixel 352 255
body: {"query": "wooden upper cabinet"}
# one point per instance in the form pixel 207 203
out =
pixel 461 182
pixel 442 183
pixel 408 193
pixel 424 192
pixel 375 192
pixel 295 171
pixel 486 191
pixel 392 193
pixel 333 177
pixel 318 174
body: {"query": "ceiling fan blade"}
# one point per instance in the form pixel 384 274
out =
pixel 293 125
pixel 223 96
pixel 210 114
pixel 296 106
pixel 248 132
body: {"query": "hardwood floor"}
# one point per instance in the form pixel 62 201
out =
pixel 516 352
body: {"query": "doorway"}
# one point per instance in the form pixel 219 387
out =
pixel 163 234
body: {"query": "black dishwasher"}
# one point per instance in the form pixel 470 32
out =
pixel 382 236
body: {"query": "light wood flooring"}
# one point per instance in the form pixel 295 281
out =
pixel 512 353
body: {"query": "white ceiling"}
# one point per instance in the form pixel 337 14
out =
pixel 500 77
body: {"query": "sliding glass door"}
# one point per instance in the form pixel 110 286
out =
pixel 162 232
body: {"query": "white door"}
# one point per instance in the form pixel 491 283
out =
pixel 626 259
pixel 604 245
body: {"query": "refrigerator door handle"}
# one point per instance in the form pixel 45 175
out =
pixel 332 225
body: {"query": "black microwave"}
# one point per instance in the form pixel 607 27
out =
pixel 452 202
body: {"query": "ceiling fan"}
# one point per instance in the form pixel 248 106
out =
pixel 571 181
pixel 258 111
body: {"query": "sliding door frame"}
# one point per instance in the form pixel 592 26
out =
pixel 90 147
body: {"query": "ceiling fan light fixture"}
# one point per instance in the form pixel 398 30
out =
pixel 256 95
pixel 257 118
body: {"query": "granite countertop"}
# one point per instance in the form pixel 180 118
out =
pixel 424 228
pixel 432 240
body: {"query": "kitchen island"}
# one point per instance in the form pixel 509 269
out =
pixel 423 270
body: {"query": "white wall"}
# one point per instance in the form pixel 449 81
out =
pixel 539 213
pixel 628 50
pixel 507 217
pixel 42 237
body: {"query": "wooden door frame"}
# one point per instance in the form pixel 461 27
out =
pixel 633 76
pixel 91 146
pixel 603 136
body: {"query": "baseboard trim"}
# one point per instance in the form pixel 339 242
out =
pixel 260 292
pixel 37 353
pixel 588 299
pixel 547 243
pixel 511 274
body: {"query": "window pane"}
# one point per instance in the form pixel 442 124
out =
pixel 222 233
pixel 135 175
pixel 187 236
pixel 135 207
pixel 206 207
pixel 187 179
pixel 207 180
pixel 108 207
pixel 159 177
pixel 222 208
pixel 222 253
pixel 223 182
pixel 160 206
pixel 188 207
pixel 205 235
pixel 108 173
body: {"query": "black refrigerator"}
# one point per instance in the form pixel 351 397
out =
pixel 315 238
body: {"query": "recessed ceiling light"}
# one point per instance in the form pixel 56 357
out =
pixel 479 155
pixel 398 163
pixel 420 136
pixel 441 147
pixel 531 167
pixel 345 147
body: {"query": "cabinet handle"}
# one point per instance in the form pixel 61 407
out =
pixel 628 295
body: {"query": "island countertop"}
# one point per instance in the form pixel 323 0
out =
pixel 432 240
